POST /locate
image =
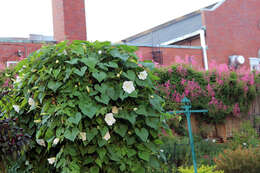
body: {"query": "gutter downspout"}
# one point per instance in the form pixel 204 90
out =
pixel 204 48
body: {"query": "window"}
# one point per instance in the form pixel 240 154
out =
pixel 11 63
pixel 254 64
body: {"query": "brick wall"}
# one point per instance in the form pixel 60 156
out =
pixel 8 51
pixel 233 29
pixel 170 55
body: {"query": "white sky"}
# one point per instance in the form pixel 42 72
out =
pixel 111 20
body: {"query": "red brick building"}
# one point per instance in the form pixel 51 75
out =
pixel 219 32
pixel 69 23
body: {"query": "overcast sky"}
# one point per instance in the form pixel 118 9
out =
pixel 111 20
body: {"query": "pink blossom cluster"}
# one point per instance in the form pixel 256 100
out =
pixel 181 70
pixel 177 97
pixel 217 104
pixel 192 89
pixel 236 110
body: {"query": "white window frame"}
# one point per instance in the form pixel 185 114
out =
pixel 9 63
pixel 254 64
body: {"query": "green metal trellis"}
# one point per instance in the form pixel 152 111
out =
pixel 187 111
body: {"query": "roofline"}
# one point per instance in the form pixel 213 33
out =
pixel 184 37
pixel 163 46
pixel 26 41
pixel 215 6
pixel 218 4
pixel 162 26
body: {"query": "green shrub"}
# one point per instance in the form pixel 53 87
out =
pixel 241 160
pixel 175 151
pixel 245 136
pixel 221 91
pixel 89 107
pixel 13 142
pixel 201 169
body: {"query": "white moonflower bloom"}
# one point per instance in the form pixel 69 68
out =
pixel 142 75
pixel 128 86
pixel 109 118
pixel 51 160
pixel 107 136
pixel 41 142
pixel 16 108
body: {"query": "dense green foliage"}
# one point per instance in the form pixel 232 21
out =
pixel 223 93
pixel 240 160
pixel 12 142
pixel 246 136
pixel 89 107
pixel 176 152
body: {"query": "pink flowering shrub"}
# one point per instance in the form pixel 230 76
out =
pixel 223 91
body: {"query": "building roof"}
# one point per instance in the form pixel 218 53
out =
pixel 171 30
pixel 33 38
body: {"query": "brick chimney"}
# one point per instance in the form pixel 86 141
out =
pixel 69 20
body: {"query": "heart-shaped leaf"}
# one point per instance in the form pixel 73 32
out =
pixel 76 118
pixel 121 129
pixel 71 134
pixel 81 72
pixel 99 76
pixel 54 85
pixel 103 99
pixel 91 134
pixel 117 54
pixel 130 74
pixel 73 61
pixel 88 109
pixel 144 155
pixel 112 64
pixel 90 62
pixel 142 134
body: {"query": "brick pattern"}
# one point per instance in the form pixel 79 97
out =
pixel 8 51
pixel 69 20
pixel 232 29
pixel 170 55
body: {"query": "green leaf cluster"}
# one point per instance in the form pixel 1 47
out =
pixel 65 94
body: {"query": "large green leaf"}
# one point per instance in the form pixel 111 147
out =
pixel 103 99
pixel 116 53
pixel 102 89
pixel 131 117
pixel 121 129
pixel 80 72
pixel 94 169
pixel 131 152
pixel 71 134
pixel 102 152
pixel 142 110
pixel 156 101
pixel 73 61
pixel 144 155
pixel 99 76
pixel 91 134
pixel 54 85
pixel 142 134
pixel 90 61
pixel 112 93
pixel 152 122
pixel 111 64
pixel 130 74
pixel 75 118
pixel 88 109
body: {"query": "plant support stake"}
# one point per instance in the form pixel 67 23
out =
pixel 187 111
